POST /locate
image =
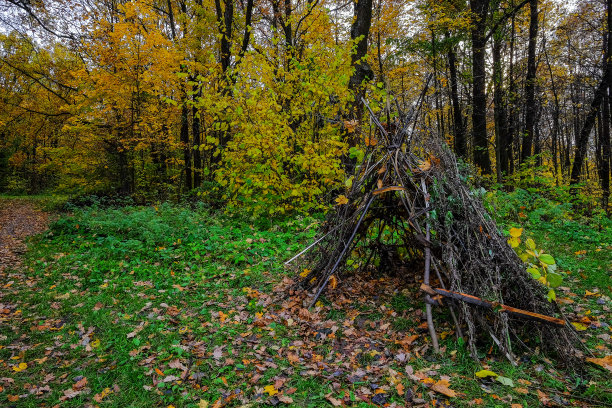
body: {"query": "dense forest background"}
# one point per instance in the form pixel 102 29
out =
pixel 257 103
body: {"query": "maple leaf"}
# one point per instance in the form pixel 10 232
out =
pixel 341 200
pixel 270 390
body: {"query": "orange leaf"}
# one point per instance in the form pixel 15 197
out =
pixel 341 200
pixel 400 389
pixel 605 362
pixel 442 387
pixel 158 371
pixel 333 282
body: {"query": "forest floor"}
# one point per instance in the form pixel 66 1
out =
pixel 170 306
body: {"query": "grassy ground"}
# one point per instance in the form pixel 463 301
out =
pixel 169 306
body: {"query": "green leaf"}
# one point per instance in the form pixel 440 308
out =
pixel 530 244
pixel 535 273
pixel 486 373
pixel 554 279
pixel 505 380
pixel 551 295
pixel 547 259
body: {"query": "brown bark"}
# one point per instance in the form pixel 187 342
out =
pixel 530 82
pixel 480 9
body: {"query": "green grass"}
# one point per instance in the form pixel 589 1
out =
pixel 120 295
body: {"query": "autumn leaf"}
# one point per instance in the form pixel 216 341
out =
pixel 425 165
pixel 20 367
pixel 285 399
pixel 80 384
pixel 579 326
pixel 333 282
pixel 334 401
pixel 516 232
pixel 270 390
pixel 442 388
pixel 605 362
pixel 485 373
pixel 341 200
pixel 400 389
pixel 203 404
pixel 370 141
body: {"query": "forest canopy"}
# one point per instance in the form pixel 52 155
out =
pixel 257 103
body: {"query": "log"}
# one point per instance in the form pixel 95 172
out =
pixel 494 305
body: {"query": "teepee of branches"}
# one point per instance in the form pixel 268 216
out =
pixel 411 199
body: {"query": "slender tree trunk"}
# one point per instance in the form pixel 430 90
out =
pixel 501 120
pixel 480 9
pixel 460 144
pixel 196 131
pixel 530 80
pixel 604 169
pixel 511 102
pixel 589 122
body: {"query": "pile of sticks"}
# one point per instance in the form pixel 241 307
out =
pixel 410 201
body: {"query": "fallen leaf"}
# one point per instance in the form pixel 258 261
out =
pixel 270 390
pixel 522 390
pixel 285 399
pixel 99 397
pixel 605 362
pixel 335 402
pixel 80 384
pixel 579 326
pixel 400 389
pixel 20 367
pixel 442 387
pixel 203 404
pixel 333 282
pixel 486 373
pixel 543 398
pixel 505 380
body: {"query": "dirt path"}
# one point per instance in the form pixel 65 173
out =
pixel 19 219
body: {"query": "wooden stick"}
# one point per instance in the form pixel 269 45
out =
pixel 492 305
pixel 428 306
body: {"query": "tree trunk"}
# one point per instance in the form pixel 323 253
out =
pixel 460 144
pixel 360 30
pixel 530 108
pixel 480 9
pixel 589 122
pixel 501 119
pixel 196 131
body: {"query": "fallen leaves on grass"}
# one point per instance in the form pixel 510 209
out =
pixel 605 362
